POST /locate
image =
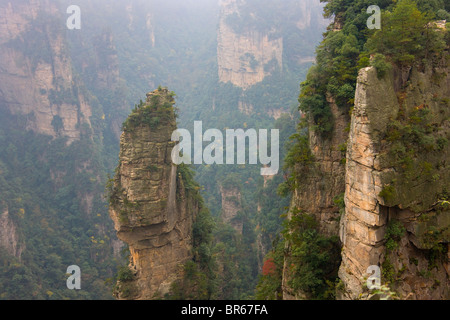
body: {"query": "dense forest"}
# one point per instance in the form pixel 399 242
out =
pixel 122 51
pixel 125 49
pixel 408 37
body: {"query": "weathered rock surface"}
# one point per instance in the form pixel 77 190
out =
pixel 36 71
pixel 9 238
pixel 369 170
pixel 231 205
pixel 242 57
pixel 363 225
pixel 150 211
pixel 398 119
pixel 245 57
pixel 321 184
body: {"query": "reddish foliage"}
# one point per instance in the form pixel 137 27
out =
pixel 269 267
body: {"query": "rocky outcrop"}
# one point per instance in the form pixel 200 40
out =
pixel 9 238
pixel 389 166
pixel 134 9
pixel 321 184
pixel 363 225
pixel 150 210
pixel 249 50
pixel 36 71
pixel 380 193
pixel 231 205
pixel 243 57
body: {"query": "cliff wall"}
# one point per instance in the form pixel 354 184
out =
pixel 231 205
pixel 319 186
pixel 394 213
pixel 9 237
pixel 248 50
pixel 36 70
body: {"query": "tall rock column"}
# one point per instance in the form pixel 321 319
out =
pixel 143 203
pixel 363 225
pixel 396 185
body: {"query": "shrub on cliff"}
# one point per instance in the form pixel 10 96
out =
pixel 155 112
pixel 407 35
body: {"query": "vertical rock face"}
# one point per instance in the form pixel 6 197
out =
pixel 106 61
pixel 394 184
pixel 324 183
pixel 36 72
pixel 249 49
pixel 231 205
pixel 9 239
pixel 321 184
pixel 363 226
pixel 242 58
pixel 150 211
pixel 380 194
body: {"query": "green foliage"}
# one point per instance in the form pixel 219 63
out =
pixel 380 64
pixel 410 138
pixel 442 14
pixel 388 193
pixel 269 284
pixel 191 187
pixel 124 274
pixel 339 201
pixel 236 257
pixel 314 258
pixel 193 286
pixel 199 280
pixel 388 271
pixel 57 123
pixel 124 286
pixel 231 181
pixel 317 106
pixel 394 232
pixel 406 35
pixel 298 160
pixel 156 112
pixel 202 237
pixel 184 56
pixel 338 62
pixel 40 184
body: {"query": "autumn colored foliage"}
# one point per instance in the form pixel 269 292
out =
pixel 269 267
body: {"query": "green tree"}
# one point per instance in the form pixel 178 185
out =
pixel 406 35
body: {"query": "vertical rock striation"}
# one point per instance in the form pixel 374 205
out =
pixel 381 192
pixel 36 70
pixel 242 56
pixel 320 185
pixel 249 49
pixel 231 205
pixel 150 210
pixel 9 238
pixel 363 225
pixel 395 185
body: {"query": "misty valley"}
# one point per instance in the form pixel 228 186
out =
pixel 224 150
